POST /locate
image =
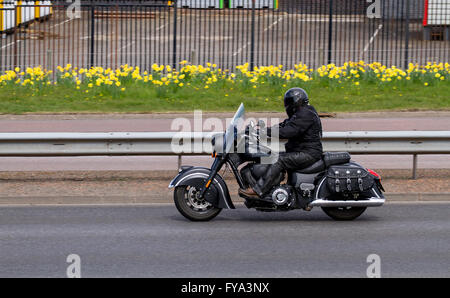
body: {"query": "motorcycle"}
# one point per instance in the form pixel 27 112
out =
pixel 341 187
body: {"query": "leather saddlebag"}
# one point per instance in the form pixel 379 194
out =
pixel 348 179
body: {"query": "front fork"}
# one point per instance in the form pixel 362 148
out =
pixel 215 168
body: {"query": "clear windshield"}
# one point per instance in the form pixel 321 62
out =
pixel 236 124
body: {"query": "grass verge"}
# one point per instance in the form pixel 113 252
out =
pixel 354 87
pixel 342 98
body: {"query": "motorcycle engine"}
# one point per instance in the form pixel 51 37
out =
pixel 282 196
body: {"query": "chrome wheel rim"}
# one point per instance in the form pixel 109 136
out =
pixel 194 202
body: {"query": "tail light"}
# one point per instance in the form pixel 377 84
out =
pixel 374 173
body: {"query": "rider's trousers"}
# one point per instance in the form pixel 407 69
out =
pixel 288 161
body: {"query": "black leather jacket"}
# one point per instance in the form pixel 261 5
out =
pixel 303 131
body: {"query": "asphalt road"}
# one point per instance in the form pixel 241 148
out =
pixel 155 241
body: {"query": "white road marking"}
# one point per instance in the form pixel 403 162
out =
pixel 162 26
pixel 366 48
pixel 122 48
pixel 131 43
pixel 327 19
pixel 8 45
pixel 248 43
pixel 66 21
pixel 12 43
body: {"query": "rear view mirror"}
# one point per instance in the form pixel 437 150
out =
pixel 261 124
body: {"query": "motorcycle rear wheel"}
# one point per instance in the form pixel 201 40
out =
pixel 344 213
pixel 191 207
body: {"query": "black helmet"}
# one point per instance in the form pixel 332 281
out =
pixel 293 99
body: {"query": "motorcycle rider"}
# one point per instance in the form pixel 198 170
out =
pixel 303 130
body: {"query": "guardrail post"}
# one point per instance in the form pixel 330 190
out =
pixel 179 162
pixel 414 173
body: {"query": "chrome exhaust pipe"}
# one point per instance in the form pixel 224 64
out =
pixel 372 202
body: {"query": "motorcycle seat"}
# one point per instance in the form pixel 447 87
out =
pixel 336 158
pixel 329 159
pixel 317 167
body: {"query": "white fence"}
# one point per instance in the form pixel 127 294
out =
pixel 14 13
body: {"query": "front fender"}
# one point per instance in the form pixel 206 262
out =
pixel 218 196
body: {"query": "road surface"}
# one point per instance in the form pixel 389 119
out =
pixel 156 241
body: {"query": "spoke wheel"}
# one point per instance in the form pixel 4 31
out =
pixel 191 206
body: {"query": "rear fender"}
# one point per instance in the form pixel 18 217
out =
pixel 218 194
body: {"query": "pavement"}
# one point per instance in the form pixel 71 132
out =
pixel 156 241
pixel 91 122
pixel 149 187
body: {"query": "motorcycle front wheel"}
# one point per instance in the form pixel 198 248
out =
pixel 344 213
pixel 191 207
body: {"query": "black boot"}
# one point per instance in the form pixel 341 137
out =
pixel 273 176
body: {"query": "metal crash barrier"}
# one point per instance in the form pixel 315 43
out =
pixel 162 143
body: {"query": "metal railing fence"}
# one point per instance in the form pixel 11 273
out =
pixel 141 33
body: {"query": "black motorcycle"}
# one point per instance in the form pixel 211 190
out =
pixel 341 187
